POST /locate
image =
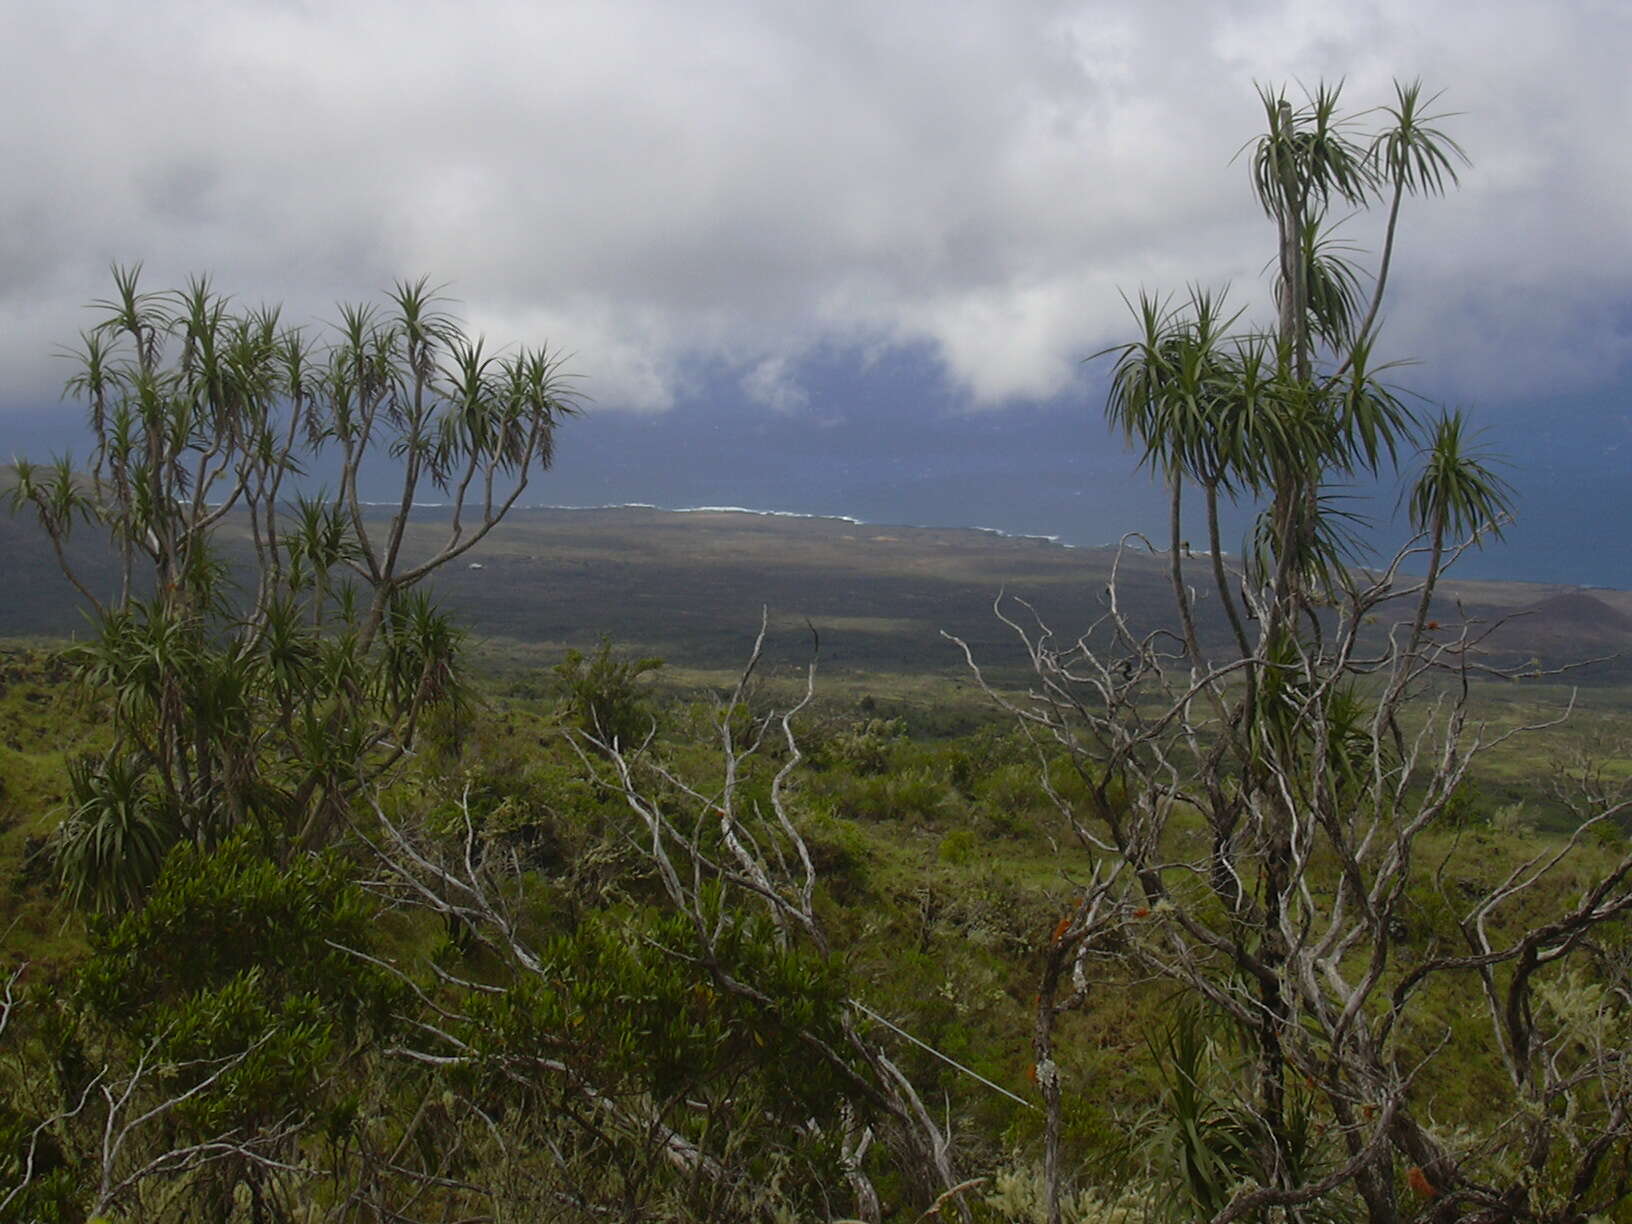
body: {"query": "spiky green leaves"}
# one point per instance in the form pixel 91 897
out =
pixel 1458 491
pixel 1278 415
pixel 118 831
pixel 271 702
pixel 1308 154
pixel 1411 151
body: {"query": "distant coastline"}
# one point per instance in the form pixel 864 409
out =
pixel 837 518
pixel 1060 541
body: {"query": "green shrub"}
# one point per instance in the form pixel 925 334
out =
pixel 839 853
pixel 968 761
pixel 866 748
pixel 914 796
pixel 603 697
pixel 118 831
pixel 958 848
pixel 1010 796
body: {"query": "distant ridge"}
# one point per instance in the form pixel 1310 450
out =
pixel 1572 621
pixel 1581 611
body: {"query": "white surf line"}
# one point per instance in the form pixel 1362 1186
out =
pixel 1058 541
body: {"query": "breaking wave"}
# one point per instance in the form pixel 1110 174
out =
pixel 800 514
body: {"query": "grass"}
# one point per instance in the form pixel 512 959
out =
pixel 941 860
pixel 42 724
pixel 943 873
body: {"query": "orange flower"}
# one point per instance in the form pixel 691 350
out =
pixel 1419 1183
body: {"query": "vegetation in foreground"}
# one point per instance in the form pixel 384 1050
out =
pixel 1202 929
pixel 399 1033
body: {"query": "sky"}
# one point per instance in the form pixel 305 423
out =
pixel 837 257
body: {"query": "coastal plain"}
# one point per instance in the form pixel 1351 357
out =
pixel 691 586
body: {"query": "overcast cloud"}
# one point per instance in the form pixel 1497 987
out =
pixel 745 184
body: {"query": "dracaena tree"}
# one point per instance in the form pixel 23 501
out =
pixel 265 648
pixel 1263 781
pixel 1279 415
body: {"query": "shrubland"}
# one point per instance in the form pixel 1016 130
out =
pixel 484 998
pixel 310 925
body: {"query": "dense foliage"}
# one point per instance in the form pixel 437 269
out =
pixel 1256 812
pixel 271 698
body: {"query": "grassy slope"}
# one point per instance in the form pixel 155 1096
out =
pixel 42 724
pixel 943 877
pixel 690 587
pixel 944 890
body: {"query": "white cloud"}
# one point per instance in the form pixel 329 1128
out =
pixel 648 183
pixel 772 383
